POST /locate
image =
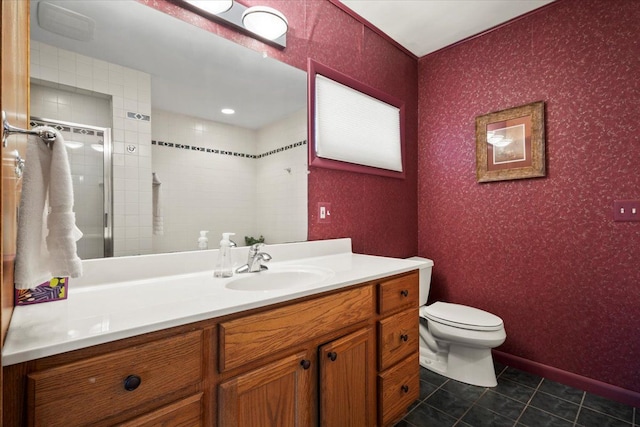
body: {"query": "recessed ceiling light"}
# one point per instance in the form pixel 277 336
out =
pixel 228 111
pixel 74 145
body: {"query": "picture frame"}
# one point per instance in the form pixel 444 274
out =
pixel 510 144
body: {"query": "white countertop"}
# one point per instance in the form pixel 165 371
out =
pixel 122 297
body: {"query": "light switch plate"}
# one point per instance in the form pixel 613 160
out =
pixel 324 212
pixel 626 210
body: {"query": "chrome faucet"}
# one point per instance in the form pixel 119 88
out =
pixel 255 260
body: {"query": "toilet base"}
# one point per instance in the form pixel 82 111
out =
pixel 465 364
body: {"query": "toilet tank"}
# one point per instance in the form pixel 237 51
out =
pixel 424 271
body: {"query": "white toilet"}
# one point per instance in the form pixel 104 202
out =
pixel 457 340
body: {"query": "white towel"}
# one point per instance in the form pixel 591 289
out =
pixel 158 220
pixel 47 232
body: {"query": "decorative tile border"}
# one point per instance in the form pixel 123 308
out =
pixel 228 153
pixel 138 116
pixel 78 129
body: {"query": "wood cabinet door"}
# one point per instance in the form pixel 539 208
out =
pixel 14 100
pixel 347 380
pixel 279 394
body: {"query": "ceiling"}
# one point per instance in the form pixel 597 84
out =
pixel 424 26
pixel 155 43
pixel 193 71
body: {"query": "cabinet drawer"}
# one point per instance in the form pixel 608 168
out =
pixel 184 413
pixel 398 292
pixel 255 336
pixel 398 388
pixel 397 337
pixel 90 391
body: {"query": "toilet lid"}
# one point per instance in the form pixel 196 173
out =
pixel 462 316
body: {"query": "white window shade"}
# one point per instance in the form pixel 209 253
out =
pixel 353 127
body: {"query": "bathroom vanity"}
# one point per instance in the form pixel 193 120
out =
pixel 337 350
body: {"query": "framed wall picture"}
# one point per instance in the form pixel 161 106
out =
pixel 510 144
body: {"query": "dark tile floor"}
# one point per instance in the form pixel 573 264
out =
pixel 520 399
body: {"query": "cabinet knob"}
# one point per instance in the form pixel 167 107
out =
pixel 332 355
pixel 306 364
pixel 132 382
pixel 404 293
pixel 404 337
pixel 405 388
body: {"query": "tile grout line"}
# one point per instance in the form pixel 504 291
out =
pixel 580 407
pixel 574 422
pixel 616 417
pixel 486 390
pixel 425 399
pixel 475 402
pixel 635 413
pixel 437 409
pixel 528 401
pixel 584 395
pixel 458 420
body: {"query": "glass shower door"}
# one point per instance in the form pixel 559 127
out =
pixel 89 151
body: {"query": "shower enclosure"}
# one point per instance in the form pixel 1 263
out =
pixel 89 150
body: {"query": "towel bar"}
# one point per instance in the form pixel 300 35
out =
pixel 47 137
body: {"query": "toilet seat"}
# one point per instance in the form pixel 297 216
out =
pixel 462 316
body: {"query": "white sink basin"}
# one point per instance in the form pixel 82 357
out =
pixel 279 278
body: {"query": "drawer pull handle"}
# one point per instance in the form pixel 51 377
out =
pixel 404 337
pixel 306 364
pixel 132 382
pixel 332 355
pixel 405 388
pixel 404 293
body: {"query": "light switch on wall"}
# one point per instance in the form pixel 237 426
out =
pixel 324 212
pixel 626 210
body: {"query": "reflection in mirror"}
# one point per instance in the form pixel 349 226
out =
pixel 179 164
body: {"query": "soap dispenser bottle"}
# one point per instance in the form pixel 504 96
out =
pixel 203 240
pixel 224 266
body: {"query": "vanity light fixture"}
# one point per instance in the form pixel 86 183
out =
pixel 212 6
pixel 261 22
pixel 265 21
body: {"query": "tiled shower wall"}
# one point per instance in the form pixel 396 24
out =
pixel 281 187
pixel 86 164
pixel 201 190
pixel 220 178
pixel 129 91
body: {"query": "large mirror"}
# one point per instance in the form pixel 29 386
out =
pixel 175 164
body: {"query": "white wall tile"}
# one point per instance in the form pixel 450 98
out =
pixel 99 76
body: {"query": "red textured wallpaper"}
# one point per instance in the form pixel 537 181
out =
pixel 379 214
pixel 544 254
